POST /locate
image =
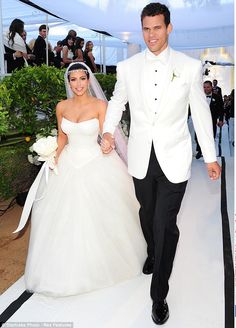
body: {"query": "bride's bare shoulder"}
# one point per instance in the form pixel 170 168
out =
pixel 62 105
pixel 101 106
pixel 100 102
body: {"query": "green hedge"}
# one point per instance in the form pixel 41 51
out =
pixel 107 83
pixel 34 92
pixel 17 174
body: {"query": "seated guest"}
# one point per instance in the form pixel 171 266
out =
pixel 67 52
pixel 15 49
pixel 71 34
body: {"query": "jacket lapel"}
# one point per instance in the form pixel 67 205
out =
pixel 143 79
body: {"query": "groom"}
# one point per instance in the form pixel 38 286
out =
pixel 159 85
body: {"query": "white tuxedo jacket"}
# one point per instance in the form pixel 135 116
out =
pixel 168 129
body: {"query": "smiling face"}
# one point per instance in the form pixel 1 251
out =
pixel 79 82
pixel 155 33
pixel 207 88
pixel 70 42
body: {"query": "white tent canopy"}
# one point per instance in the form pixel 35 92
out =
pixel 33 18
pixel 197 23
pixel 204 29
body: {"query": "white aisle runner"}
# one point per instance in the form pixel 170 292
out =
pixel 196 297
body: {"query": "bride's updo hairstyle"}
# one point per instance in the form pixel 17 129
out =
pixel 77 67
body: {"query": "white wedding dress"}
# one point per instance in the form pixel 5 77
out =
pixel 85 230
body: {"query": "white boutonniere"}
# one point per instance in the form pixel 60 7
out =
pixel 213 99
pixel 175 74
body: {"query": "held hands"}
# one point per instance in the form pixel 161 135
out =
pixel 214 170
pixel 107 143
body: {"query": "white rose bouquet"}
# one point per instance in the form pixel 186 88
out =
pixel 46 149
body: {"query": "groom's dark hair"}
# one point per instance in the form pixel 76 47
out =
pixel 156 8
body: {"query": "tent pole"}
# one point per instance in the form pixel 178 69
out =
pixel 104 53
pixel 2 63
pixel 47 40
pixel 100 50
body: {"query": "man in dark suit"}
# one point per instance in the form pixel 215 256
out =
pixel 217 111
pixel 40 47
pixel 216 89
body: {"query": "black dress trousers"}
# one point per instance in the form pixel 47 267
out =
pixel 160 201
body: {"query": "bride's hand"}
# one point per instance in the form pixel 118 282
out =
pixel 107 143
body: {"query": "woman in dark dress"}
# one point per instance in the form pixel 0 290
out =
pixel 79 53
pixel 15 49
pixel 89 58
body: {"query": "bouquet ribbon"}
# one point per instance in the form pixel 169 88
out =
pixel 32 194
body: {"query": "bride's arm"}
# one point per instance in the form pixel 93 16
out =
pixel 62 137
pixel 102 108
pixel 105 146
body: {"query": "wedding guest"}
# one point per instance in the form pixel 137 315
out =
pixel 216 89
pixel 160 84
pixel 40 47
pixel 71 34
pixel 217 112
pixel 58 61
pixel 231 118
pixel 14 45
pixel 31 56
pixel 226 101
pixel 78 53
pixel 68 52
pixel 88 56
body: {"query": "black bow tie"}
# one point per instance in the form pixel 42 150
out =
pixel 208 96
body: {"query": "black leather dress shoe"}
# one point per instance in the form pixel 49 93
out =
pixel 198 155
pixel 148 265
pixel 160 312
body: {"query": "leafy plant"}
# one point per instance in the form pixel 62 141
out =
pixel 107 83
pixel 17 174
pixel 5 103
pixel 34 92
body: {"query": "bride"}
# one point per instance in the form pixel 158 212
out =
pixel 85 230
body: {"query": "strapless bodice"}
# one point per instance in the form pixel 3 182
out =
pixel 82 144
pixel 82 134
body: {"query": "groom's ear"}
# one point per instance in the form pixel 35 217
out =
pixel 169 28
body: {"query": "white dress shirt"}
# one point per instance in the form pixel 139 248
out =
pixel 208 98
pixel 155 77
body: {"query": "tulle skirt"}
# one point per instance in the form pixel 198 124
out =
pixel 85 229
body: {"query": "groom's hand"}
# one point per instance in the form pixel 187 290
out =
pixel 107 143
pixel 214 170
